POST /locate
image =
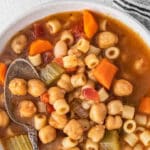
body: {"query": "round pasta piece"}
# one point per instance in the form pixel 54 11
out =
pixel 39 121
pixel 112 52
pixel 36 60
pixel 67 37
pixel 67 143
pixel 91 61
pixel 129 126
pixel 61 106
pixel 53 26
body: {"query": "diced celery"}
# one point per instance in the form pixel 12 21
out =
pixel 51 73
pixel 110 141
pixel 20 142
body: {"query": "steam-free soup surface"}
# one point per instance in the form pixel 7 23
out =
pixel 94 85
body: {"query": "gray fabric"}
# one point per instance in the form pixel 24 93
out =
pixel 139 3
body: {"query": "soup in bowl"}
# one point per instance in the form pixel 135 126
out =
pixel 93 90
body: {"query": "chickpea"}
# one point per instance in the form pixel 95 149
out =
pixel 113 122
pixel 55 93
pixel 27 108
pixel 60 49
pixel 4 119
pixel 98 113
pixel 19 43
pixel 73 129
pixel 39 121
pixel 106 39
pixel 115 107
pixel 57 121
pixel 122 88
pixel 96 133
pixel 18 87
pixel 47 134
pixel 36 87
pixel 67 142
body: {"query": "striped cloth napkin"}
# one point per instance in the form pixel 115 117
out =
pixel 140 9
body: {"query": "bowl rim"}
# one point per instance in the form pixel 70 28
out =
pixel 53 3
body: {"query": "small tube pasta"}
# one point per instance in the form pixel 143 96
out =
pixel 128 112
pixel 112 53
pixel 70 61
pixel 91 145
pixel 61 106
pixel 139 130
pixel 65 82
pixel 55 93
pixel 78 80
pixel 115 107
pixel 91 75
pixel 39 121
pixel 145 137
pixel 91 61
pixel 141 119
pixel 103 94
pixel 57 121
pixel 98 113
pixel 67 37
pixel 94 50
pixel 96 133
pixel 35 60
pixel 129 126
pixel 53 26
pixel 83 45
pixel 131 139
pixel 74 148
pixel 60 49
pixel 67 142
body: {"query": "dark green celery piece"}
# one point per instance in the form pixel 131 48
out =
pixel 20 142
pixel 110 141
pixel 51 73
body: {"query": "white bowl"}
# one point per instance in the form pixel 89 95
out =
pixel 65 5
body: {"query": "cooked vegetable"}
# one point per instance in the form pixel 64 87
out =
pixel 110 141
pixel 51 72
pixel 49 108
pixel 3 69
pixel 90 24
pixel 105 72
pixel 77 108
pixel 144 106
pixel 44 97
pixel 90 94
pixel 39 46
pixel 20 142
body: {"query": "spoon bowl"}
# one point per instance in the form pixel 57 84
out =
pixel 20 68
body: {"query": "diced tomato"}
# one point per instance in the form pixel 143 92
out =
pixel 47 57
pixel 49 108
pixel 77 30
pixel 71 70
pixel 38 30
pixel 59 61
pixel 44 98
pixel 90 94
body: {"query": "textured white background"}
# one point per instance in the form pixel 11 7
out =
pixel 10 9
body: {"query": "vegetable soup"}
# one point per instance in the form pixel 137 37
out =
pixel 94 86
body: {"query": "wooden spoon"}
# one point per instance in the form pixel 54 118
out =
pixel 23 69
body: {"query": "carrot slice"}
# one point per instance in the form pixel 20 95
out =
pixel 58 61
pixel 144 106
pixel 90 24
pixel 39 46
pixel 3 69
pixel 45 98
pixel 105 72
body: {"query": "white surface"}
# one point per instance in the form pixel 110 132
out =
pixel 11 9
